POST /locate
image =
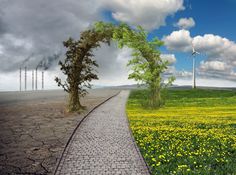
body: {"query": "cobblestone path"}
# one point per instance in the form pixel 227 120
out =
pixel 103 144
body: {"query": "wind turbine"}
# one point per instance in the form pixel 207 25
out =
pixel 194 54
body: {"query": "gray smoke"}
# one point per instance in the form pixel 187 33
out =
pixel 25 61
pixel 49 62
pixel 40 27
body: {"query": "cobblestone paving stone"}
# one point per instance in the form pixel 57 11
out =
pixel 103 144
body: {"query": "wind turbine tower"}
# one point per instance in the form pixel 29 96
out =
pixel 194 54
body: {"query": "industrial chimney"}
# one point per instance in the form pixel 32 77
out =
pixel 32 79
pixel 42 80
pixel 25 78
pixel 36 78
pixel 20 79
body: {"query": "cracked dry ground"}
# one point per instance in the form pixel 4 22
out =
pixel 35 128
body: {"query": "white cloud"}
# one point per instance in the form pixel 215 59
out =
pixel 150 14
pixel 213 46
pixel 178 40
pixel 220 52
pixel 212 82
pixel 214 66
pixel 171 71
pixel 185 23
pixel 112 62
pixel 184 73
pixel 169 57
pixel 217 69
pixel 216 47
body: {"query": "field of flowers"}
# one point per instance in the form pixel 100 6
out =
pixel 195 133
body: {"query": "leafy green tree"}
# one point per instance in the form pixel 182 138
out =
pixel 79 64
pixel 146 65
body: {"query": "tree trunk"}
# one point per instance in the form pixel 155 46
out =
pixel 155 97
pixel 155 92
pixel 74 100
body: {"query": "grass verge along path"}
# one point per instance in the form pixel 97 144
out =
pixel 195 133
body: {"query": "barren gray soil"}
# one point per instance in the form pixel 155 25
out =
pixel 34 128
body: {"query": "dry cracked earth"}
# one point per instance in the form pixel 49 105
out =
pixel 34 128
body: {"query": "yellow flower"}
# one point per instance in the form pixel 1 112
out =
pixel 154 160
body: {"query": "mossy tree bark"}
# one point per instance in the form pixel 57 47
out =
pixel 74 100
pixel 79 64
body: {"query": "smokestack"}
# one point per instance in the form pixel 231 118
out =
pixel 42 80
pixel 25 78
pixel 36 79
pixel 20 78
pixel 32 80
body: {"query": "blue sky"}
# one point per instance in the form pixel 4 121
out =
pixel 211 17
pixel 36 29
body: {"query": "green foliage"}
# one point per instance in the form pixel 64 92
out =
pixel 76 65
pixel 79 63
pixel 194 134
pixel 146 65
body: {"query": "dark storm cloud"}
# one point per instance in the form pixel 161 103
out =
pixel 38 28
pixel 3 27
pixel 49 61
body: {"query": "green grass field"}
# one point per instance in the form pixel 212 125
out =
pixel 195 133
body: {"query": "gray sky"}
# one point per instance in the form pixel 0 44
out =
pixel 34 30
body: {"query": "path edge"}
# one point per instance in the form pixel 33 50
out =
pixel 75 129
pixel 132 137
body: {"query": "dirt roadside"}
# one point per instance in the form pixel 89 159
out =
pixel 34 128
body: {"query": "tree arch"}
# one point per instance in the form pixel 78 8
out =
pixel 146 65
